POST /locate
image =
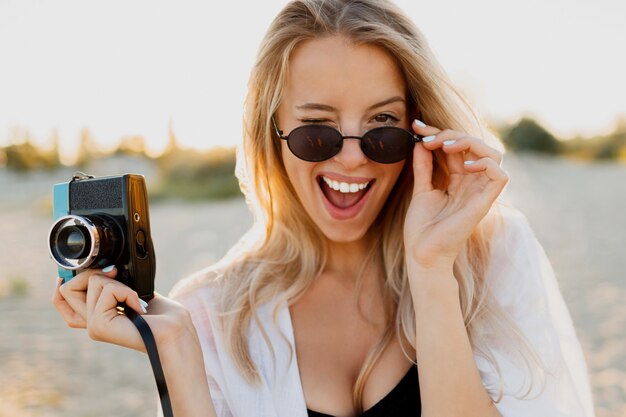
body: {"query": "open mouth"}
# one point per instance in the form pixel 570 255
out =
pixel 343 195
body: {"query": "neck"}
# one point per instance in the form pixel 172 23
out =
pixel 346 259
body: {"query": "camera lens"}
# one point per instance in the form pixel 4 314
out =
pixel 73 242
pixel 77 242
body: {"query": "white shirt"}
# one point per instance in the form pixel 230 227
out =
pixel 521 278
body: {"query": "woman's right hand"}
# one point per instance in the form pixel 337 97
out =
pixel 90 299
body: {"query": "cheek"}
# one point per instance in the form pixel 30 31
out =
pixel 392 177
pixel 395 170
pixel 298 171
pixel 289 163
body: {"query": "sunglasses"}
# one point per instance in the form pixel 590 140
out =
pixel 316 142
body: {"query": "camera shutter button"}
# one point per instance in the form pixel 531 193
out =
pixel 140 244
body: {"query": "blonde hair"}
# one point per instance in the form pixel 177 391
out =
pixel 289 251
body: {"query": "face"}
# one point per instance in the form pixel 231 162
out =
pixel 353 88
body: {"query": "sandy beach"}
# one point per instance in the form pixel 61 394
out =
pixel 576 209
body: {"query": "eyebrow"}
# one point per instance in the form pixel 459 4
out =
pixel 326 107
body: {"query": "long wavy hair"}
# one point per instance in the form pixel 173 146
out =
pixel 284 252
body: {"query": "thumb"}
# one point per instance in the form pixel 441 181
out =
pixel 422 169
pixel 422 164
pixel 109 271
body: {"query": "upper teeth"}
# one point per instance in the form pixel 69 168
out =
pixel 344 187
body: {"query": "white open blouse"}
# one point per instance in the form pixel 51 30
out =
pixel 520 276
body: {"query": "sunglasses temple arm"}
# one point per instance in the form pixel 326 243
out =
pixel 278 131
pixel 417 138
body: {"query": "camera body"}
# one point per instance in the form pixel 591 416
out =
pixel 104 221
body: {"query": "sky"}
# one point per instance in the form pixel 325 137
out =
pixel 132 67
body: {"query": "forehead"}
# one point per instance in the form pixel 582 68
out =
pixel 338 72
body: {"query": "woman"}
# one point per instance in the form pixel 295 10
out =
pixel 382 276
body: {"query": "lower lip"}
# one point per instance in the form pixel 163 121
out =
pixel 347 213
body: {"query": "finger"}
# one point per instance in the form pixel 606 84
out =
pixel 497 176
pixel 435 140
pixel 115 289
pixel 423 129
pixel 438 140
pixel 479 201
pixel 105 312
pixel 473 147
pixel 74 291
pixel 107 324
pixel 96 283
pixel 71 318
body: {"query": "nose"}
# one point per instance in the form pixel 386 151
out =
pixel 351 156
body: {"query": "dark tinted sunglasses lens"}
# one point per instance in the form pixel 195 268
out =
pixel 387 144
pixel 314 143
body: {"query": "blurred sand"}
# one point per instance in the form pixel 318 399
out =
pixel 577 211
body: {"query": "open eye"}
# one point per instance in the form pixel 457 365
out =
pixel 385 119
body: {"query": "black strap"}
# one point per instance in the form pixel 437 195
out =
pixel 153 354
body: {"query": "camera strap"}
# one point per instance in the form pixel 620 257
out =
pixel 153 354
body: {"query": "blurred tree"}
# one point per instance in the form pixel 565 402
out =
pixel 22 157
pixel 613 146
pixel 608 150
pixel 21 154
pixel 132 145
pixel 620 124
pixel 50 158
pixel 172 141
pixel 528 135
pixel 85 149
pixel 193 174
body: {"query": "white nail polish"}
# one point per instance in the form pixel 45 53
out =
pixel 143 303
pixel 428 138
pixel 420 123
pixel 449 142
pixel 108 268
pixel 469 162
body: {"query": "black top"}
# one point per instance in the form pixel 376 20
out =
pixel 402 401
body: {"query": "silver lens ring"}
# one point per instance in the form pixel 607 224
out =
pixel 68 221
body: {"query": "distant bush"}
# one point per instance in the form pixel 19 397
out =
pixel 196 175
pixel 25 156
pixel 18 286
pixel 609 147
pixel 528 135
pixel 14 286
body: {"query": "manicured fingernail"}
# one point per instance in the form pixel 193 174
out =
pixel 428 138
pixel 420 123
pixel 469 162
pixel 449 142
pixel 108 268
pixel 144 305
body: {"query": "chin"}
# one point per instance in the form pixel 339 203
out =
pixel 343 234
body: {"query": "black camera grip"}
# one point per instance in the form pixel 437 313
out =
pixel 153 354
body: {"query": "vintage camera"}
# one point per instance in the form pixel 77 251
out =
pixel 104 221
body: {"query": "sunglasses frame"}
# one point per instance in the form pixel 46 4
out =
pixel 281 135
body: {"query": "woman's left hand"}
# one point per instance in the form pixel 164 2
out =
pixel 438 222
